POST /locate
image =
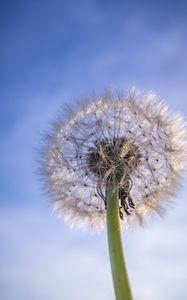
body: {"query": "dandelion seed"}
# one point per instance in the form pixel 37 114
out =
pixel 130 141
pixel 115 158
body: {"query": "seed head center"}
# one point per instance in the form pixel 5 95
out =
pixel 113 159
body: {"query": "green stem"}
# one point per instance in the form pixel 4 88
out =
pixel 119 272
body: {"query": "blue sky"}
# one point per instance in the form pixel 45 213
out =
pixel 52 53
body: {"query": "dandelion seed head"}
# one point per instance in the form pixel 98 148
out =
pixel 130 140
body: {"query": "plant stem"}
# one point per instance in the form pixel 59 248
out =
pixel 119 273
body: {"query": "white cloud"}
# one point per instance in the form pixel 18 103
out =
pixel 39 263
pixel 41 259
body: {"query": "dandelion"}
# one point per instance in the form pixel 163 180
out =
pixel 117 160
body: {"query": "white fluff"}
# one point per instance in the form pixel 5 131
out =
pixel 160 137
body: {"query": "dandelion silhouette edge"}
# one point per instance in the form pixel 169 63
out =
pixel 131 140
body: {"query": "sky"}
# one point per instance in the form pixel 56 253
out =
pixel 57 52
